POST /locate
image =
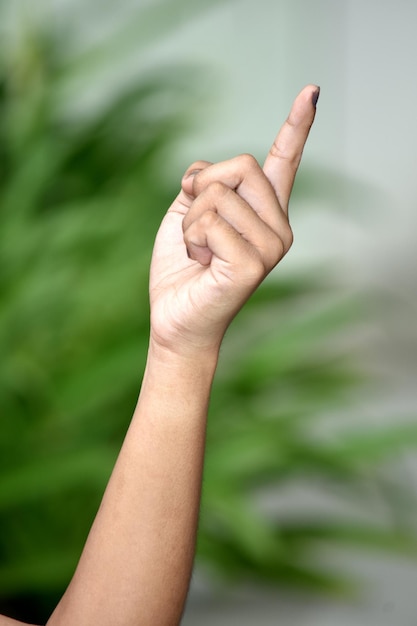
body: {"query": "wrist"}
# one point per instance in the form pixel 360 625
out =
pixel 184 359
pixel 183 348
pixel 177 382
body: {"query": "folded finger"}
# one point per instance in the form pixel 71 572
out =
pixel 185 197
pixel 244 175
pixel 219 199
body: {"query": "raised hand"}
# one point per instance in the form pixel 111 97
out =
pixel 223 234
pixel 226 230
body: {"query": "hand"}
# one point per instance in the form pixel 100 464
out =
pixel 226 230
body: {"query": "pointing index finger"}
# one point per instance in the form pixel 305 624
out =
pixel 284 157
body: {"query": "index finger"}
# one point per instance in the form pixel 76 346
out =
pixel 284 157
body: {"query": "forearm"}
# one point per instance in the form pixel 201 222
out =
pixel 7 621
pixel 137 562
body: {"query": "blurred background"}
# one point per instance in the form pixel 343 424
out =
pixel 309 500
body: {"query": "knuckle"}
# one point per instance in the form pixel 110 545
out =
pixel 273 252
pixel 284 152
pixel 248 161
pixel 277 150
pixel 208 219
pixel 202 224
pixel 287 239
pixel 218 189
pixel 257 268
pixel 276 253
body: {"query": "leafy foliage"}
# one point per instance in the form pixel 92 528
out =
pixel 80 202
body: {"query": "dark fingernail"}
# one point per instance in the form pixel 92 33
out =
pixel 192 173
pixel 315 97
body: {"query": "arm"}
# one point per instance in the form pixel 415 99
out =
pixel 223 234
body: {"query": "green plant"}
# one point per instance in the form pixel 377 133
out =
pixel 80 201
pixel 281 373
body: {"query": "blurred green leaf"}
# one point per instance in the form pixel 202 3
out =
pixel 39 480
pixel 378 444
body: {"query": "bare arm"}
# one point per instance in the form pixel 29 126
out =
pixel 223 234
pixel 7 621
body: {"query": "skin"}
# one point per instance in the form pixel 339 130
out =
pixel 225 231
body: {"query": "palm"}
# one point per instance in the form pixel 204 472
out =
pixel 185 295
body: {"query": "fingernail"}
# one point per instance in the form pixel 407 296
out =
pixel 192 173
pixel 315 97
